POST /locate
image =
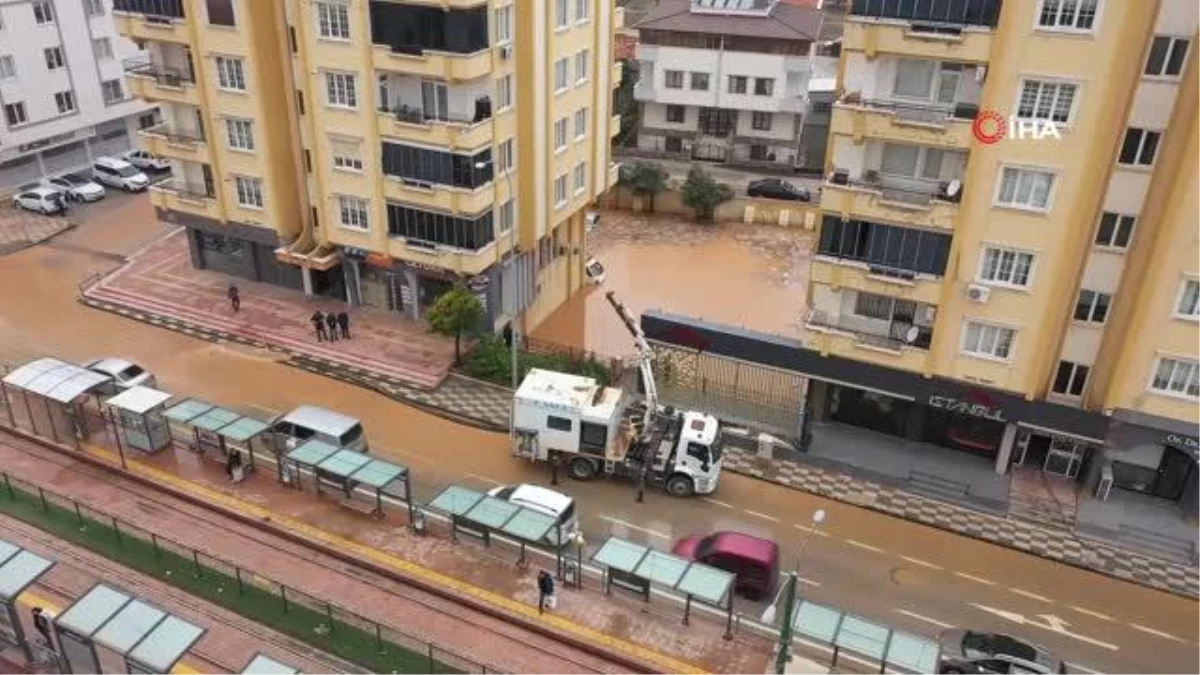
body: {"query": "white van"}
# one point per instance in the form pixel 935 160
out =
pixel 119 174
pixel 310 421
pixel 555 504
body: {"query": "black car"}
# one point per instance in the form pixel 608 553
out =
pixel 965 651
pixel 776 188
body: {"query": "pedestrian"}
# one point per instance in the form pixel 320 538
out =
pixel 235 298
pixel 42 621
pixel 344 323
pixel 318 322
pixel 331 320
pixel 545 583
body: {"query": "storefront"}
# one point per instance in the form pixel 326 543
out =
pixel 374 280
pixel 1152 456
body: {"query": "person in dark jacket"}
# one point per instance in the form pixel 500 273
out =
pixel 344 322
pixel 318 322
pixel 545 584
pixel 332 321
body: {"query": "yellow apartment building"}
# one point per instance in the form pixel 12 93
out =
pixel 384 150
pixel 1010 226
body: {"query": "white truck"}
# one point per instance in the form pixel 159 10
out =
pixel 594 430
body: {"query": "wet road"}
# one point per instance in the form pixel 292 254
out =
pixel 903 574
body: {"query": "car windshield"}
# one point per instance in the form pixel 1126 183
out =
pixel 984 645
pixel 128 171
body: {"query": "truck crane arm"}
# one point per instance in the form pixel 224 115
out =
pixel 645 359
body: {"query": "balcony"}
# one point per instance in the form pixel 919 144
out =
pixel 178 195
pixel 901 345
pixel 918 123
pixel 154 82
pixel 437 65
pixel 172 143
pixel 151 27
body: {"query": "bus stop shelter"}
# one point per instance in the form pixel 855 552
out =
pixel 55 396
pixel 19 569
pixel 481 516
pixel 636 568
pixel 145 638
pixel 348 469
pixel 218 429
pixel 138 417
pixel 892 649
pixel 262 664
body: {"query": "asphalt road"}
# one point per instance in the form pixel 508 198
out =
pixel 906 575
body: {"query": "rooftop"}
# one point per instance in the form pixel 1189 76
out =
pixel 783 21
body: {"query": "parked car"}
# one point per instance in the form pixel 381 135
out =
pixel 965 651
pixel 119 174
pixel 552 503
pixel 43 200
pixel 144 160
pixel 76 189
pixel 776 188
pixel 753 561
pixel 124 374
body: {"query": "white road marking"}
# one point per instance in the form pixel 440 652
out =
pixel 1089 612
pixel 978 580
pixel 810 530
pixel 922 563
pixel 926 619
pixel 631 526
pixel 1028 594
pixel 764 516
pixel 718 503
pixel 859 544
pixel 1158 633
pixel 483 478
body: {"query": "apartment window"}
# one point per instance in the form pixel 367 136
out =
pixel 673 79
pixel 1166 57
pixel 699 81
pixel 230 74
pixel 1005 267
pixel 1051 101
pixel 43 11
pixel 761 121
pixel 738 84
pixel 507 215
pixel 675 114
pixel 102 49
pixel 249 192
pixel 560 191
pixel 240 134
pixel 504 158
pixel 1176 376
pixel 763 86
pixel 504 93
pixel 1070 378
pixel 347 155
pixel 14 114
pixel 581 66
pixel 1092 306
pixel 1025 188
pixel 1189 299
pixel 54 57
pixel 435 228
pixel 560 74
pixel 504 24
pixel 333 21
pixel 112 91
pixel 354 213
pixel 913 161
pixel 220 12
pixel 94 7
pixel 1115 230
pixel 560 134
pixel 583 10
pixel 562 13
pixel 1140 147
pixel 340 90
pixel 1074 15
pixel 65 102
pixel 885 249
pixel 988 340
pixel 580 123
pixel 579 180
pixel 8 67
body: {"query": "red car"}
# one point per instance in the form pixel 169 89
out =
pixel 752 560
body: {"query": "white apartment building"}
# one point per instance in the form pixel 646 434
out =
pixel 732 81
pixel 62 88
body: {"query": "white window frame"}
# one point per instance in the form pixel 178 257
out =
pixel 562 14
pixel 1145 133
pixel 583 11
pixel 504 27
pixel 43 12
pixel 1178 363
pixel 248 186
pixel 8 67
pixel 1052 88
pixel 581 124
pixel 582 66
pixel 1073 379
pixel 65 103
pixel 1037 16
pixel 1120 218
pixel 996 202
pixel 986 325
pixel 562 75
pixel 348 93
pixel 239 134
pixel 55 59
pixel 358 209
pixel 579 178
pixel 506 215
pixel 1181 310
pixel 102 48
pixel 1172 44
pixel 505 157
pixel 504 93
pixel 998 279
pixel 560 191
pixel 231 73
pixel 560 135
pixel 336 17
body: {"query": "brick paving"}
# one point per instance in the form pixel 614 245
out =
pixel 21 229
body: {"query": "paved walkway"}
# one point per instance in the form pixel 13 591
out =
pixel 21 229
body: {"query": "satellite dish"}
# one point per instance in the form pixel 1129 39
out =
pixel 912 334
pixel 953 188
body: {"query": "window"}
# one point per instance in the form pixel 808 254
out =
pixel 347 154
pixel 560 191
pixel 673 79
pixel 886 249
pixel 763 86
pixel 988 340
pixel 333 21
pixel 1005 267
pixel 54 57
pixel 507 215
pixel 504 93
pixel 1177 376
pixel 1092 306
pixel 102 49
pixel 43 12
pixel 558 423
pixel 676 114
pixel 1140 147
pixel 583 10
pixel 8 68
pixel 699 81
pixel 1189 299
pixel 580 123
pixel 1166 57
pixel 1074 15
pixel 560 134
pixel 761 121
pixel 1115 230
pixel 15 114
pixel 504 158
pixel 562 13
pixel 737 84
pixel 93 7
pixel 220 12
pixel 230 74
pixel 65 102
pixel 340 90
pixel 249 192
pixel 240 134
pixel 354 213
pixel 504 24
pixel 1051 101
pixel 912 161
pixel 581 66
pixel 1025 188
pixel 111 89
pixel 432 228
pixel 1070 378
pixel 579 179
pixel 560 74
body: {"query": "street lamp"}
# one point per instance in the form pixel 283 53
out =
pixel 788 592
pixel 512 258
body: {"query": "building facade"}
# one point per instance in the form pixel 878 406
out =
pixel 384 151
pixel 62 89
pixel 1010 211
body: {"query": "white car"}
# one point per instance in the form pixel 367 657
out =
pixel 76 189
pixel 43 200
pixel 144 160
pixel 124 374
pixel 543 500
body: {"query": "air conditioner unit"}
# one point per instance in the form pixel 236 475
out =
pixel 977 293
pixel 504 52
pixel 980 73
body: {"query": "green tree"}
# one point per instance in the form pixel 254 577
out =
pixel 454 312
pixel 703 194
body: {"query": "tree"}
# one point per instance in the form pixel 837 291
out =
pixel 703 194
pixel 455 311
pixel 646 179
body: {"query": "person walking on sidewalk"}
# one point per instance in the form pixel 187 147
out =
pixel 545 582
pixel 332 321
pixel 318 322
pixel 235 298
pixel 344 322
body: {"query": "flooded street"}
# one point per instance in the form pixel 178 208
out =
pixel 745 275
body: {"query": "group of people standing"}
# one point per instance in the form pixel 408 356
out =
pixel 338 326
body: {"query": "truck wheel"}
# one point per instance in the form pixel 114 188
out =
pixel 581 468
pixel 680 486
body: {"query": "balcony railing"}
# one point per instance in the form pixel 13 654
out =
pixel 938 15
pixel 900 333
pixel 916 112
pixel 174 135
pixel 162 75
pixel 162 10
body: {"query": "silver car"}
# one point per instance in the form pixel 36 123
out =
pixel 124 374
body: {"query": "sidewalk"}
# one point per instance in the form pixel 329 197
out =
pixel 21 229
